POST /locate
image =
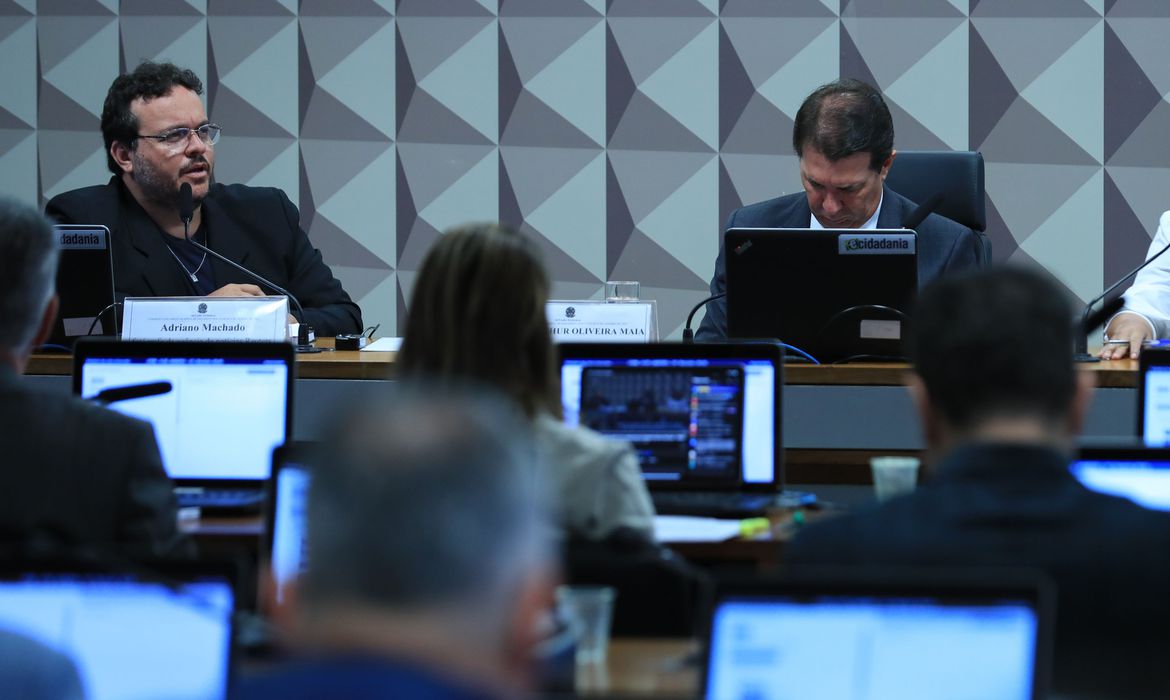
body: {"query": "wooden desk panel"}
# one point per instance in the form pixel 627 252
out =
pixel 354 364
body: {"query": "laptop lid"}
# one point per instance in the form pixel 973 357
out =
pixel 218 408
pixel 286 519
pixel 700 416
pixel 85 284
pixel 836 293
pixel 1153 425
pixel 162 633
pixel 1141 474
pixel 892 634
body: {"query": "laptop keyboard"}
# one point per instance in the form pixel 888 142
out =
pixel 221 499
pixel 716 504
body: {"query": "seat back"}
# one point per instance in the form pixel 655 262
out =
pixel 958 175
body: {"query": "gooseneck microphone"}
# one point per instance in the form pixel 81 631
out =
pixel 187 212
pixel 1089 321
pixel 924 210
pixel 688 335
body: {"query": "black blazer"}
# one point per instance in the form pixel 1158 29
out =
pixel 991 505
pixel 76 475
pixel 943 245
pixel 257 227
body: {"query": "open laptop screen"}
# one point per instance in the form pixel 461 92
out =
pixel 694 413
pixel 128 637
pixel 218 409
pixel 1140 474
pixel 1154 397
pixel 288 500
pixel 873 645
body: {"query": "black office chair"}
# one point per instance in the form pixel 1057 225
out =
pixel 918 175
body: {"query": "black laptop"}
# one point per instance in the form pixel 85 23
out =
pixel 889 634
pixel 704 419
pixel 218 409
pixel 836 294
pixel 85 285
pixel 162 632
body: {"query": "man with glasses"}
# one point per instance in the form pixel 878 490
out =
pixel 157 138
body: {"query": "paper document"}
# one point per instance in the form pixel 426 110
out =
pixel 688 528
pixel 384 345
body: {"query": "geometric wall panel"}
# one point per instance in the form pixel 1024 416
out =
pixel 619 134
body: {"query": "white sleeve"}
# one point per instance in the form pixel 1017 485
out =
pixel 1150 294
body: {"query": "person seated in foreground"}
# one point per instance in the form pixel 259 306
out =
pixel 430 559
pixel 477 312
pixel 75 476
pixel 999 427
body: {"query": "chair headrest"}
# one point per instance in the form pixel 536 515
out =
pixel 917 175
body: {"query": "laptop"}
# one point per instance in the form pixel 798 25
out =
pixel 857 634
pixel 166 633
pixel 837 294
pixel 1141 474
pixel 287 516
pixel 85 285
pixel 704 419
pixel 1153 425
pixel 218 409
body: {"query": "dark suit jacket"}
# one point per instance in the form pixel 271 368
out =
pixel 356 677
pixel 943 245
pixel 257 227
pixel 76 475
pixel 1019 506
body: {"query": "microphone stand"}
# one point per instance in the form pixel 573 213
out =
pixel 186 213
pixel 1089 321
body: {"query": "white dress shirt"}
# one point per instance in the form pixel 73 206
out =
pixel 1149 297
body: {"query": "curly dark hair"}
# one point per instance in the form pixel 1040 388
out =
pixel 147 81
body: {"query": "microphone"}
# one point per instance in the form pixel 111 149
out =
pixel 924 210
pixel 688 336
pixel 1089 320
pixel 132 391
pixel 187 212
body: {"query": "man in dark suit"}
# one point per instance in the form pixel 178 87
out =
pixel 157 138
pixel 844 137
pixel 429 559
pixel 74 475
pixel 999 426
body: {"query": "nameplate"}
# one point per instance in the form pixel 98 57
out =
pixel 205 318
pixel 877 243
pixel 591 321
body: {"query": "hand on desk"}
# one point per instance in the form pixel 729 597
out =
pixel 1124 337
pixel 237 290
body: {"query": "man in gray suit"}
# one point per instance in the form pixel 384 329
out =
pixel 74 475
pixel 844 137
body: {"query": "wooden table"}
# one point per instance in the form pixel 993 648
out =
pixel 644 667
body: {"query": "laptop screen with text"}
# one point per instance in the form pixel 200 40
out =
pixel 128 637
pixel 695 414
pixel 218 409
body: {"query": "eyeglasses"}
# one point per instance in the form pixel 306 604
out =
pixel 177 138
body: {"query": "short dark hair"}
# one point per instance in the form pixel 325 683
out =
pixel 477 312
pixel 148 81
pixel 995 343
pixel 844 117
pixel 28 272
pixel 427 498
